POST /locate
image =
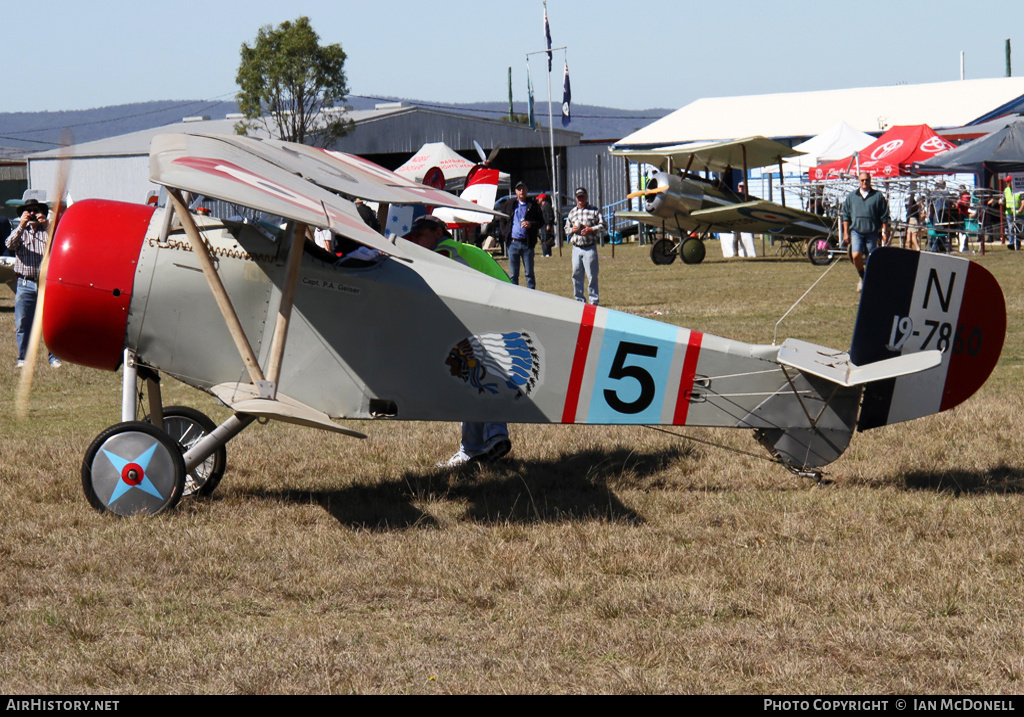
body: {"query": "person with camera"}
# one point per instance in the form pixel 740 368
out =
pixel 28 241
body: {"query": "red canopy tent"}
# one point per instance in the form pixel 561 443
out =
pixel 889 156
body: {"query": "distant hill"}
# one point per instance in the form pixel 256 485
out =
pixel 26 132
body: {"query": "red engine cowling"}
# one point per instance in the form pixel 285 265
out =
pixel 90 279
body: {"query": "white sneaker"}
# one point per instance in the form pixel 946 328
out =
pixel 459 459
pixel 21 364
pixel 55 363
pixel 860 284
pixel 495 448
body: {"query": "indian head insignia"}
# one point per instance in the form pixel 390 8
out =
pixel 497 363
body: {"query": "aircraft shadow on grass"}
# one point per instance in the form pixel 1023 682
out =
pixel 572 487
pixel 1002 479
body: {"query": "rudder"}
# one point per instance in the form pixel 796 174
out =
pixel 916 301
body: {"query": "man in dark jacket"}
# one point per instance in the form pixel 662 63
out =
pixel 519 233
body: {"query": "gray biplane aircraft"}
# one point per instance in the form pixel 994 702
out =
pixel 689 208
pixel 276 328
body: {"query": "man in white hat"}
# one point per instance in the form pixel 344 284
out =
pixel 28 241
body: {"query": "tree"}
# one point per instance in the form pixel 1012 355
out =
pixel 290 84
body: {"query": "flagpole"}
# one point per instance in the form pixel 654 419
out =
pixel 556 201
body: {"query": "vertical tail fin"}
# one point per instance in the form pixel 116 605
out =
pixel 915 301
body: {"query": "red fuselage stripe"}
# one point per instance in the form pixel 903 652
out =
pixel 687 378
pixel 579 364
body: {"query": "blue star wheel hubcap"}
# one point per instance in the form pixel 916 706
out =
pixel 133 468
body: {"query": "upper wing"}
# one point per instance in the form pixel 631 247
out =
pixel 209 165
pixel 750 152
pixel 355 176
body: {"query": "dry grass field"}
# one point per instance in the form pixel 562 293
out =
pixel 594 560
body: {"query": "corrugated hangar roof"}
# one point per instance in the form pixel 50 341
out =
pixel 407 129
pixel 805 114
pixel 398 129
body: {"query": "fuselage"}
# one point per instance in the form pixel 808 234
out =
pixel 426 339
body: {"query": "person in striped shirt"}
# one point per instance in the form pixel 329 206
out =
pixel 28 241
pixel 584 227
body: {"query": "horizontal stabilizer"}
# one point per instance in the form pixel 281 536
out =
pixel 245 398
pixel 835 366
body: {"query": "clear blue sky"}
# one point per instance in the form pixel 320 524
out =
pixel 629 55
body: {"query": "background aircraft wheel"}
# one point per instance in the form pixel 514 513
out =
pixel 818 252
pixel 693 251
pixel 663 251
pixel 133 468
pixel 187 426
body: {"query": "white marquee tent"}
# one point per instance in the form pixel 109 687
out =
pixel 840 141
pixel 806 114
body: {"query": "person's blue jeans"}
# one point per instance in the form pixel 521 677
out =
pixel 521 250
pixel 24 312
pixel 476 436
pixel 584 261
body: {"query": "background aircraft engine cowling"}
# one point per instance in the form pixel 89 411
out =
pixel 680 196
pixel 90 279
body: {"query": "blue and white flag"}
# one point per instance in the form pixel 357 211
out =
pixel 566 98
pixel 547 34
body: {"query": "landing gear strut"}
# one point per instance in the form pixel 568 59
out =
pixel 147 466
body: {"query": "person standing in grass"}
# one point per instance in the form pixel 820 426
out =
pixel 28 242
pixel 547 232
pixel 584 227
pixel 520 232
pixel 865 223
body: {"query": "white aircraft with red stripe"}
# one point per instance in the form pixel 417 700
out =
pixel 482 190
pixel 276 328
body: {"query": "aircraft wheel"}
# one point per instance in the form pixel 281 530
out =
pixel 818 252
pixel 663 252
pixel 133 468
pixel 693 251
pixel 188 426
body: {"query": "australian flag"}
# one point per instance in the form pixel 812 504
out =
pixel 566 98
pixel 547 34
